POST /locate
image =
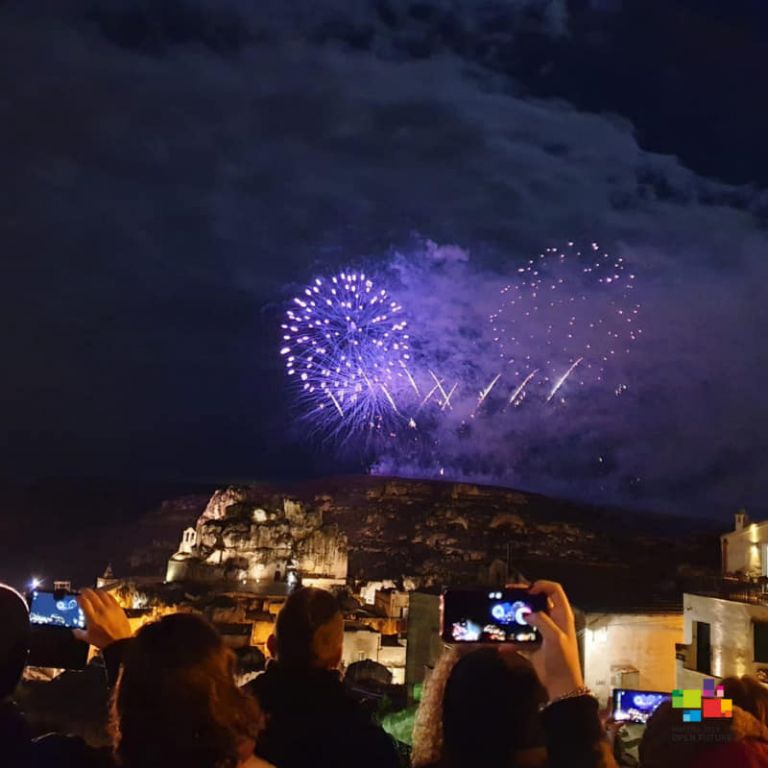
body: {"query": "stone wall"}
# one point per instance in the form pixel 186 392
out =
pixel 731 635
pixel 641 642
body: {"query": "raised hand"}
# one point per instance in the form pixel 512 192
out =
pixel 105 620
pixel 557 661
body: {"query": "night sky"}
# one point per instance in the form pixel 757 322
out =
pixel 174 170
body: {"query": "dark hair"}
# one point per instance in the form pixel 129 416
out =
pixel 176 701
pixel 491 708
pixel 668 743
pixel 749 694
pixel 305 611
pixel 14 639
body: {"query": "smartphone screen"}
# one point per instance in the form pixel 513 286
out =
pixel 490 615
pixel 630 706
pixel 56 609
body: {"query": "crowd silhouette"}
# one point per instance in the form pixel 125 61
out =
pixel 174 701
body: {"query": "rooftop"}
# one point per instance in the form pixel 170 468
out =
pixel 753 591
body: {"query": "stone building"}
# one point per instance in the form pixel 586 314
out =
pixel 745 548
pixel 363 643
pixel 726 627
pixel 725 635
pixel 630 647
pixel 245 619
pixel 251 542
pixel 392 603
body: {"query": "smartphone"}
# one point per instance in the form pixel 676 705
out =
pixel 489 615
pixel 56 609
pixel 631 706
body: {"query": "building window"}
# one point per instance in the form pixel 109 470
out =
pixel 703 647
pixel 761 641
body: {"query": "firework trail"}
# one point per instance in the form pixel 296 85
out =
pixel 449 396
pixel 336 403
pixel 439 385
pixel 411 380
pixel 389 398
pixel 559 383
pixel 521 387
pixel 431 391
pixel 487 391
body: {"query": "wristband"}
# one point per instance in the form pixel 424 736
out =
pixel 574 694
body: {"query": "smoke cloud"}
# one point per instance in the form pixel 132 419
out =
pixel 176 174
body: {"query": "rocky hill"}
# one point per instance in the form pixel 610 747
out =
pixel 435 532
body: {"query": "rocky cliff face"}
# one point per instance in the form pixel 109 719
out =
pixel 427 532
pixel 245 535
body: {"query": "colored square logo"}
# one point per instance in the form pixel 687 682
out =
pixel 707 704
pixel 711 708
pixel 692 699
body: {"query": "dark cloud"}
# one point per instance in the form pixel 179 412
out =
pixel 172 174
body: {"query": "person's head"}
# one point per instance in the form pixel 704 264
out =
pixel 668 742
pixel 481 708
pixel 749 694
pixel 176 701
pixel 309 631
pixel 14 639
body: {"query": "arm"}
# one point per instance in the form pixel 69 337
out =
pixel 575 737
pixel 113 656
pixel 107 628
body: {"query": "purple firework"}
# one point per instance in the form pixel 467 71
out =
pixel 568 318
pixel 345 345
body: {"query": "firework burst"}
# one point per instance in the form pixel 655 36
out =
pixel 346 347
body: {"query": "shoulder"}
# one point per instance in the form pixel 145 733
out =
pixel 743 753
pixel 255 762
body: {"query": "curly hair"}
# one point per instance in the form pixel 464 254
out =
pixel 428 725
pixel 748 693
pixel 176 701
pixel 473 693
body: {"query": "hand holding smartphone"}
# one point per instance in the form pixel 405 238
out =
pixel 631 706
pixel 490 615
pixel 53 615
pixel 56 609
